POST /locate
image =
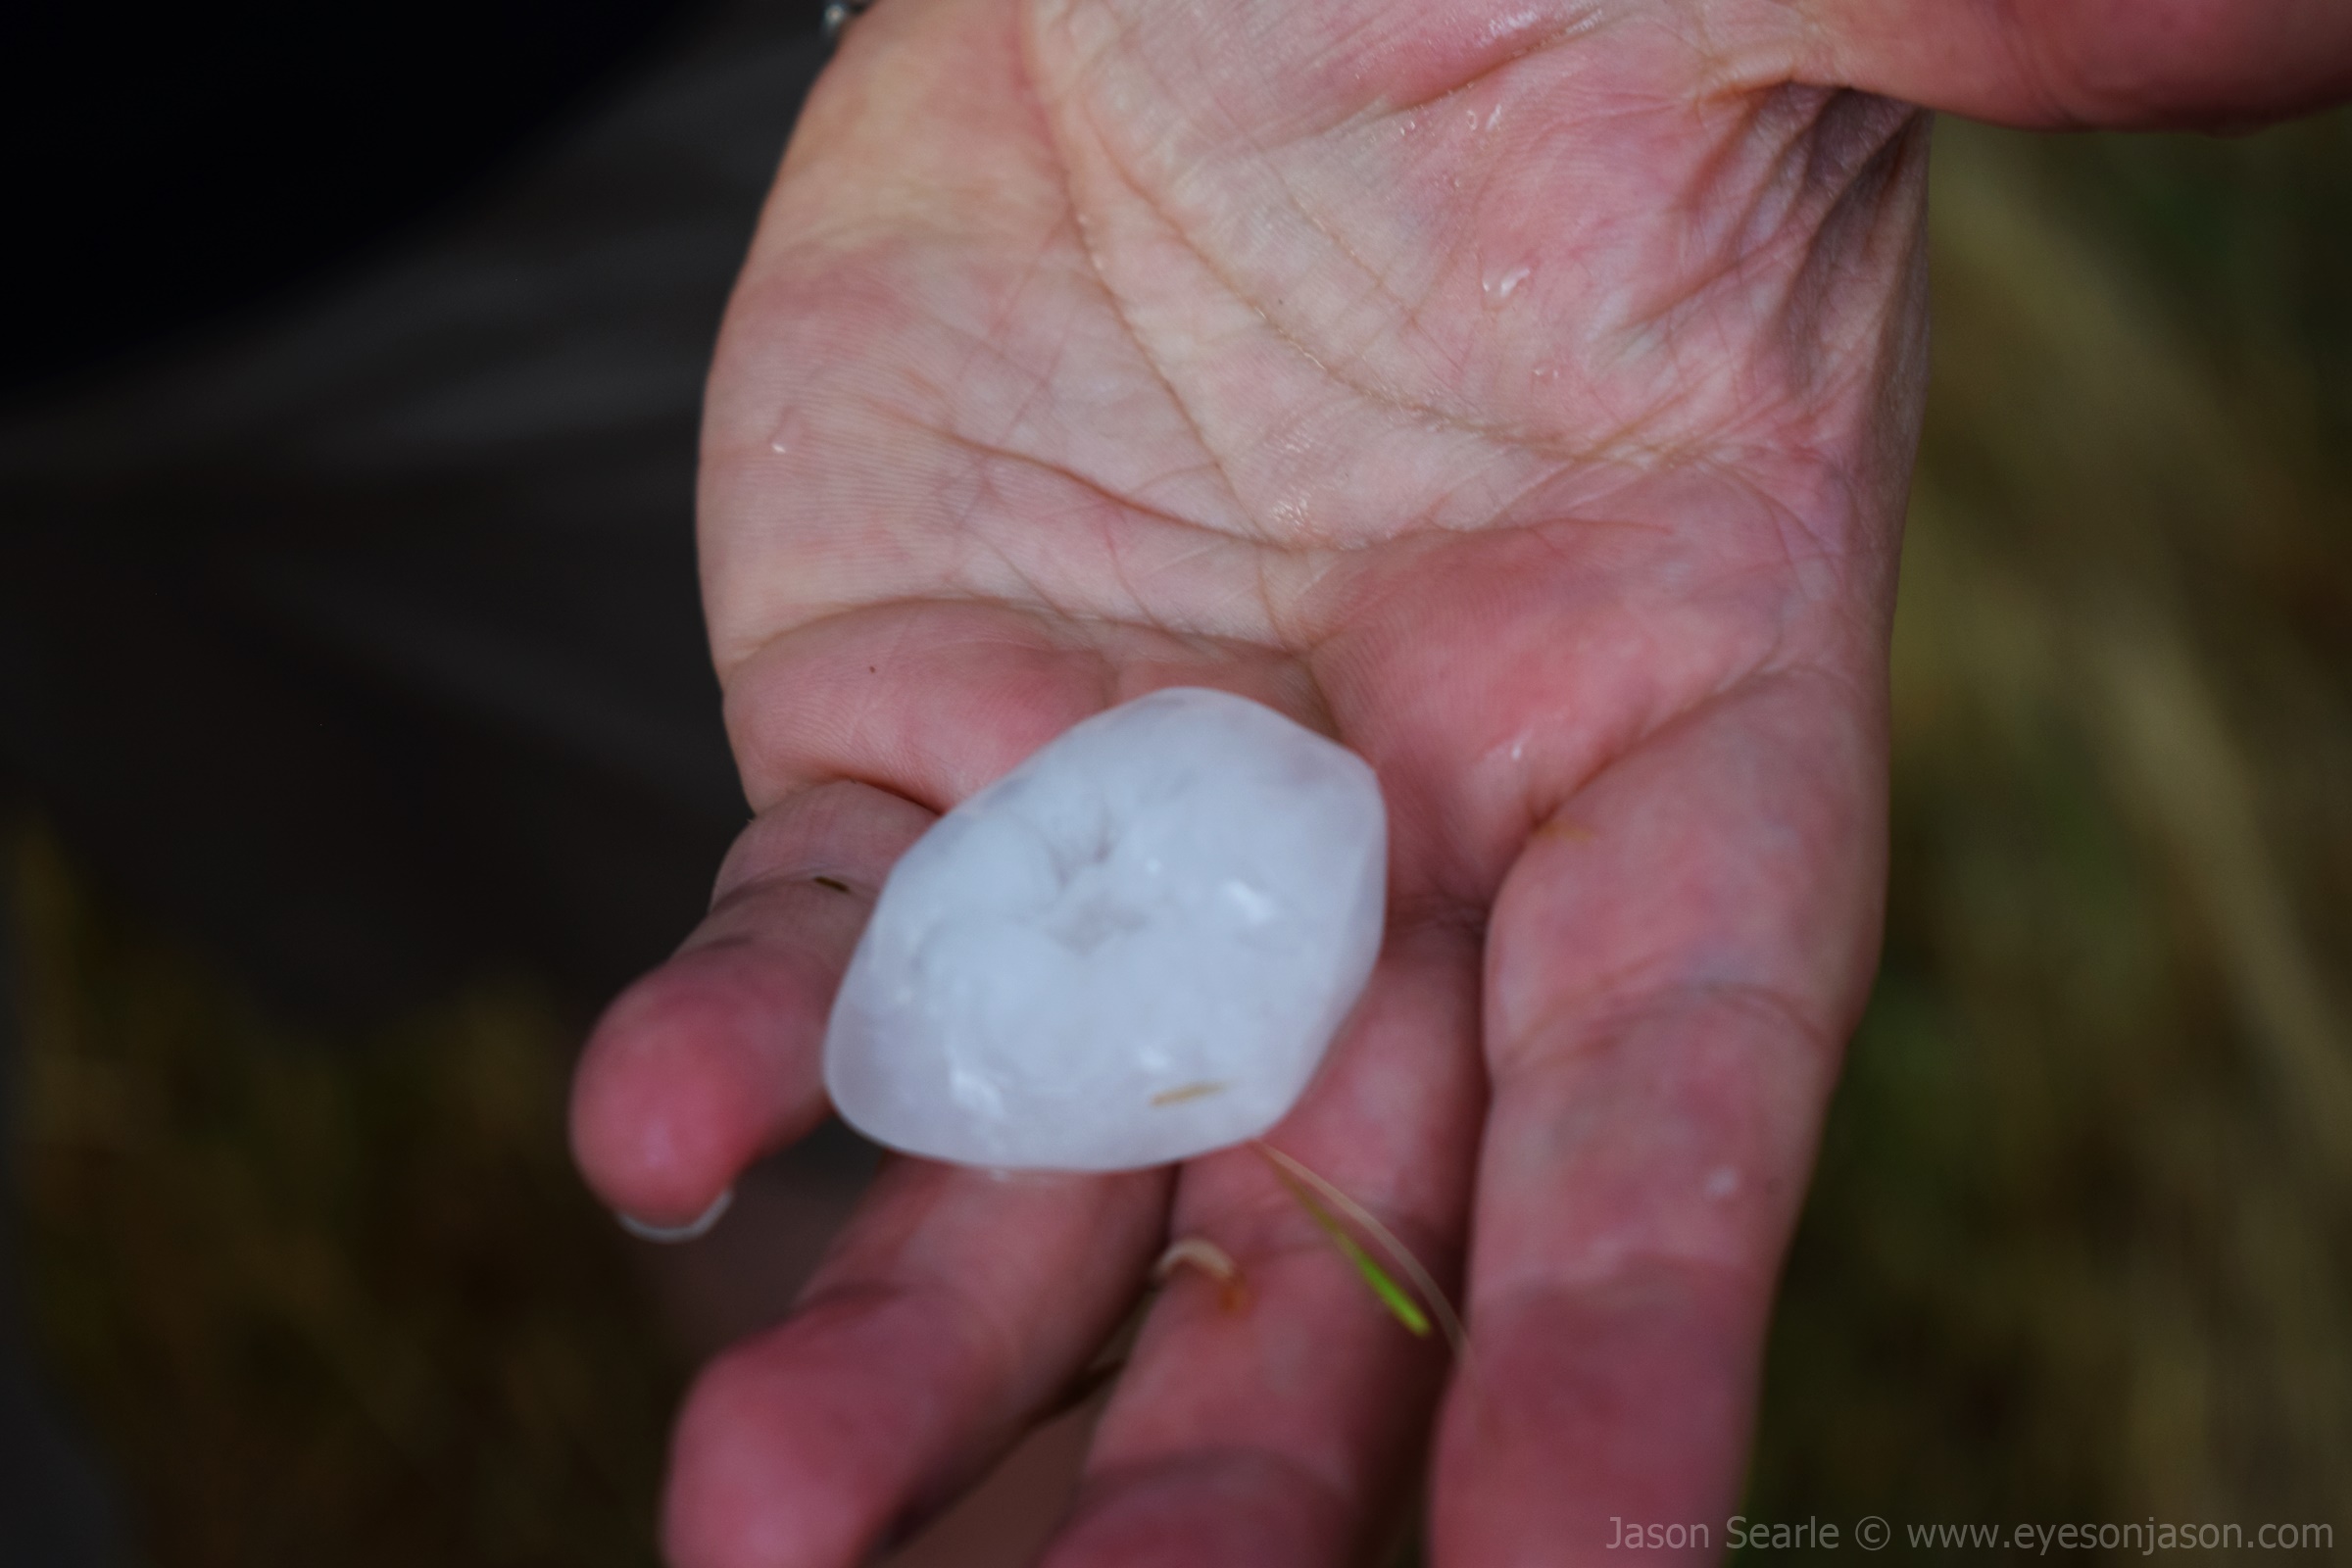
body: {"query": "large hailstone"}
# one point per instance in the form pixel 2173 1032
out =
pixel 1131 949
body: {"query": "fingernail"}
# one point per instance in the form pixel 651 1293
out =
pixel 700 1225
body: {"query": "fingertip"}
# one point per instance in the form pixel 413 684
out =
pixel 692 1074
pixel 713 1058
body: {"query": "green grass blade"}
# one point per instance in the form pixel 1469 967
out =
pixel 1333 1209
pixel 1392 1295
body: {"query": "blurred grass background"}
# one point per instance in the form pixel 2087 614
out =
pixel 2081 1246
pixel 322 1301
pixel 2080 1243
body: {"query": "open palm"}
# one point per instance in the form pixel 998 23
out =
pixel 1524 396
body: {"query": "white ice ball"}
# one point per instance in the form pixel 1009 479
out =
pixel 1133 949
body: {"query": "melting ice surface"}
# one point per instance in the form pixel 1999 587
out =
pixel 1133 949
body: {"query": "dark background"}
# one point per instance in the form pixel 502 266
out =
pixel 167 165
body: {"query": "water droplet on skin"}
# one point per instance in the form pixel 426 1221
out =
pixel 1500 288
pixel 1518 21
pixel 1544 372
pixel 787 434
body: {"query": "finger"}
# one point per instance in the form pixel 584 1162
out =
pixel 1280 1431
pixel 955 1308
pixel 714 1059
pixel 933 701
pixel 1673 966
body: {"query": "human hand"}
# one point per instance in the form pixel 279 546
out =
pixel 1522 396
